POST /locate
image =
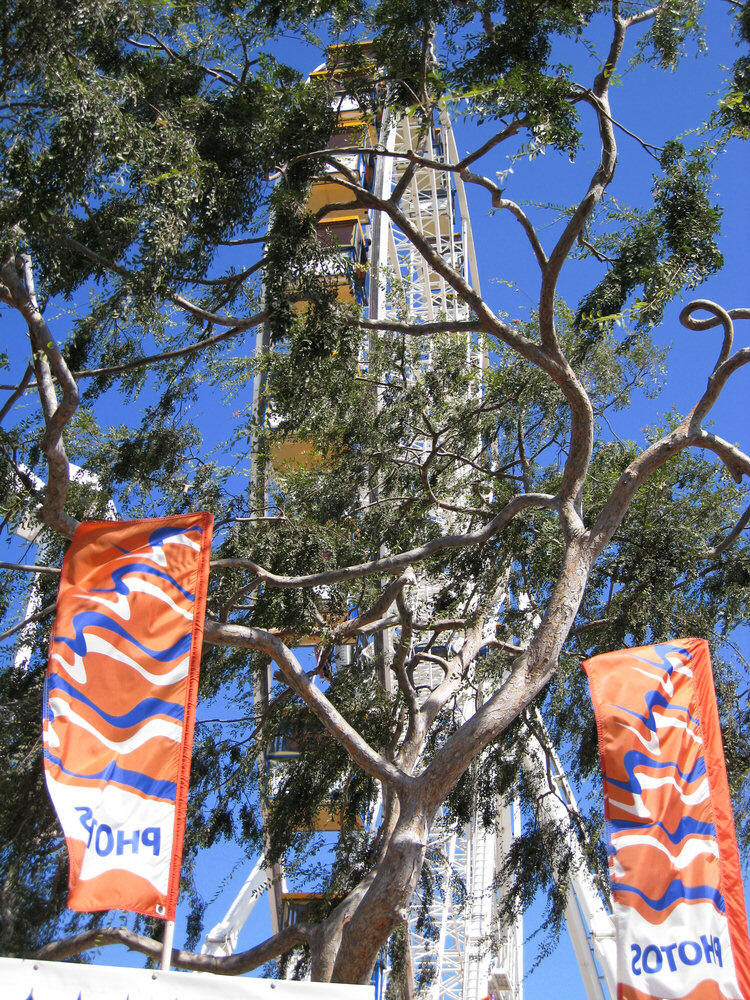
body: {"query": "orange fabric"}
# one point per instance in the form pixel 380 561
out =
pixel 731 877
pixel 678 899
pixel 703 991
pixel 120 698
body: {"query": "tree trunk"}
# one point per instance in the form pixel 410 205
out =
pixel 385 902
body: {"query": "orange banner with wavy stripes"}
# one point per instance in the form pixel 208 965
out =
pixel 119 706
pixel 679 907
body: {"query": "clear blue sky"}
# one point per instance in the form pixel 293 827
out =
pixel 655 105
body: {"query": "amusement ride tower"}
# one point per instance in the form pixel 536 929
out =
pixel 473 954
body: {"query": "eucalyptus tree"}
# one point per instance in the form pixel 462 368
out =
pixel 156 165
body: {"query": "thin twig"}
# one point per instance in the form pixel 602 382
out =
pixel 190 307
pixel 19 390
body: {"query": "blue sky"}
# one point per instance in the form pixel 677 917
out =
pixel 655 105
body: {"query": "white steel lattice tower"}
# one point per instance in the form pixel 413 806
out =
pixel 457 945
pixel 458 948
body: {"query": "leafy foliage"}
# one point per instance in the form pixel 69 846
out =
pixel 153 153
pixel 670 248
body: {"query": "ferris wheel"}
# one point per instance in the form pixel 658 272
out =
pixel 469 952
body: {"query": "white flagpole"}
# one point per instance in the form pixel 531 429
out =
pixel 166 950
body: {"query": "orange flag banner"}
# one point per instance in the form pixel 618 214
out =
pixel 679 907
pixel 119 706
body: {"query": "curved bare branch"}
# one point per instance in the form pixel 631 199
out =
pixel 518 212
pixel 232 965
pixel 719 316
pixel 689 432
pixel 736 461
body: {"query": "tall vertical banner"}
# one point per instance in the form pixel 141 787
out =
pixel 119 706
pixel 679 907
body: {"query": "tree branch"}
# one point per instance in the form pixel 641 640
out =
pixel 48 361
pixel 719 316
pixel 731 537
pixel 398 666
pixel 581 414
pixel 232 965
pixel 150 359
pixel 689 432
pixel 644 15
pixel 19 390
pixel 424 475
pixel 736 461
pixel 517 211
pixel 530 672
pixel 244 637
pixel 649 147
pixel 390 594
pixel 498 201
pixel 456 668
pixel 54 570
pixel 392 563
pixel 182 303
pixel 546 357
pixel 409 154
pixel 50 609
pixel 487 321
pixel 419 329
pixel 223 75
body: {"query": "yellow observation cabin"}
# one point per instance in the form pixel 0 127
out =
pixel 328 818
pixel 296 906
pixel 344 226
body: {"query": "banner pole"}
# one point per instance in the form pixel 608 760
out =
pixel 166 950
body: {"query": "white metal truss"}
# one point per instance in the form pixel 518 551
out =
pixel 221 940
pixel 590 923
pixel 459 949
pixel 458 946
pixel 403 285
